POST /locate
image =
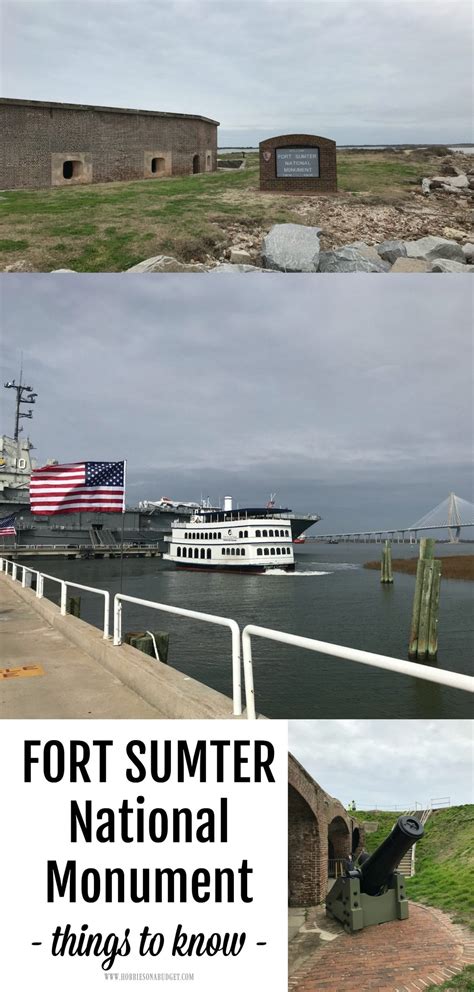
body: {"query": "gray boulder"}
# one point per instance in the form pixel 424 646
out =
pixel 432 247
pixel 453 189
pixel 460 181
pixel 389 251
pixel 368 251
pixel 447 265
pixel 291 248
pixel 349 259
pixel 411 265
pixel 468 252
pixel 425 186
pixel 165 263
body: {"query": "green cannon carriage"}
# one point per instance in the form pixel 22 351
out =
pixel 371 891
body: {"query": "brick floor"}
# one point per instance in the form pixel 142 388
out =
pixel 403 956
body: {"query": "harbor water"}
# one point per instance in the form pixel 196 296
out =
pixel 331 597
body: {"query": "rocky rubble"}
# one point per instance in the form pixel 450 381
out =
pixel 452 179
pixel 428 254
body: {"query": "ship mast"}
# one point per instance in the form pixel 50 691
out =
pixel 24 396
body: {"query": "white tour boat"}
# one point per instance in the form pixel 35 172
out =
pixel 245 540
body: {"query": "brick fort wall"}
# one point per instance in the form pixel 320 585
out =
pixel 318 828
pixel 326 182
pixel 101 144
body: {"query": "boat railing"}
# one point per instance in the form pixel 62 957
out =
pixel 241 641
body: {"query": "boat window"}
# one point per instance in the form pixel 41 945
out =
pixel 288 551
pixel 270 533
pixel 278 551
pixel 266 551
pixel 259 551
pixel 241 533
pixel 246 533
pixel 243 551
pixel 264 533
pixel 203 552
pixel 178 552
pixel 257 533
pixel 223 551
pixel 233 551
pixel 208 553
pixel 196 552
pixel 220 535
pixel 287 533
pixel 237 551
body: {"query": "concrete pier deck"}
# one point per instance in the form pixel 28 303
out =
pixel 54 666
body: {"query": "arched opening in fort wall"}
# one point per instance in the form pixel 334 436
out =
pixel 196 164
pixel 339 846
pixel 304 852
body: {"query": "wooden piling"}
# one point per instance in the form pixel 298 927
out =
pixel 424 623
pixel 74 606
pixel 423 628
pixel 415 619
pixel 386 575
pixel 434 612
pixel 142 641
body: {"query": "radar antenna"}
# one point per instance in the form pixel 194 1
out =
pixel 24 397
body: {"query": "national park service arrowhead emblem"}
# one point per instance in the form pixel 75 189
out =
pixel 267 156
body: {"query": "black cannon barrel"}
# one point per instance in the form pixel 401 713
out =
pixel 376 870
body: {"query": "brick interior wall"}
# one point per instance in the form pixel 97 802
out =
pixel 317 823
pixel 116 142
pixel 325 183
pixel 303 853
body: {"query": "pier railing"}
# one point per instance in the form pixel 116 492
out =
pixel 429 674
pixel 242 641
pixel 192 615
pixel 65 584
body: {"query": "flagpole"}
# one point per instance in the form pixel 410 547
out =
pixel 123 522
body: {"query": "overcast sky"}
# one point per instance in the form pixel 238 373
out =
pixel 387 763
pixel 359 71
pixel 349 396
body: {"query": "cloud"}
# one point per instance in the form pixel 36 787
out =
pixel 387 764
pixel 314 385
pixel 359 72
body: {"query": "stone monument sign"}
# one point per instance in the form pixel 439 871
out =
pixel 298 163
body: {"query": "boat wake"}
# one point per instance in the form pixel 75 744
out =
pixel 291 575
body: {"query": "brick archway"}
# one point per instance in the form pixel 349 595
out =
pixel 339 845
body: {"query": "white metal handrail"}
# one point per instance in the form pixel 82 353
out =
pixel 100 592
pixel 426 672
pixel 63 583
pixel 193 615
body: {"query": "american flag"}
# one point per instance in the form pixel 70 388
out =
pixel 7 526
pixel 79 486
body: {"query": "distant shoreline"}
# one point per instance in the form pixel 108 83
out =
pixel 453 566
pixel 426 144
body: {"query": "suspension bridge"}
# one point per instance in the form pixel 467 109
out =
pixel 451 515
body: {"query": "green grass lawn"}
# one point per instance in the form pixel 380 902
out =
pixel 112 226
pixel 444 860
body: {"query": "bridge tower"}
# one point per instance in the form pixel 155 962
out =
pixel 454 520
